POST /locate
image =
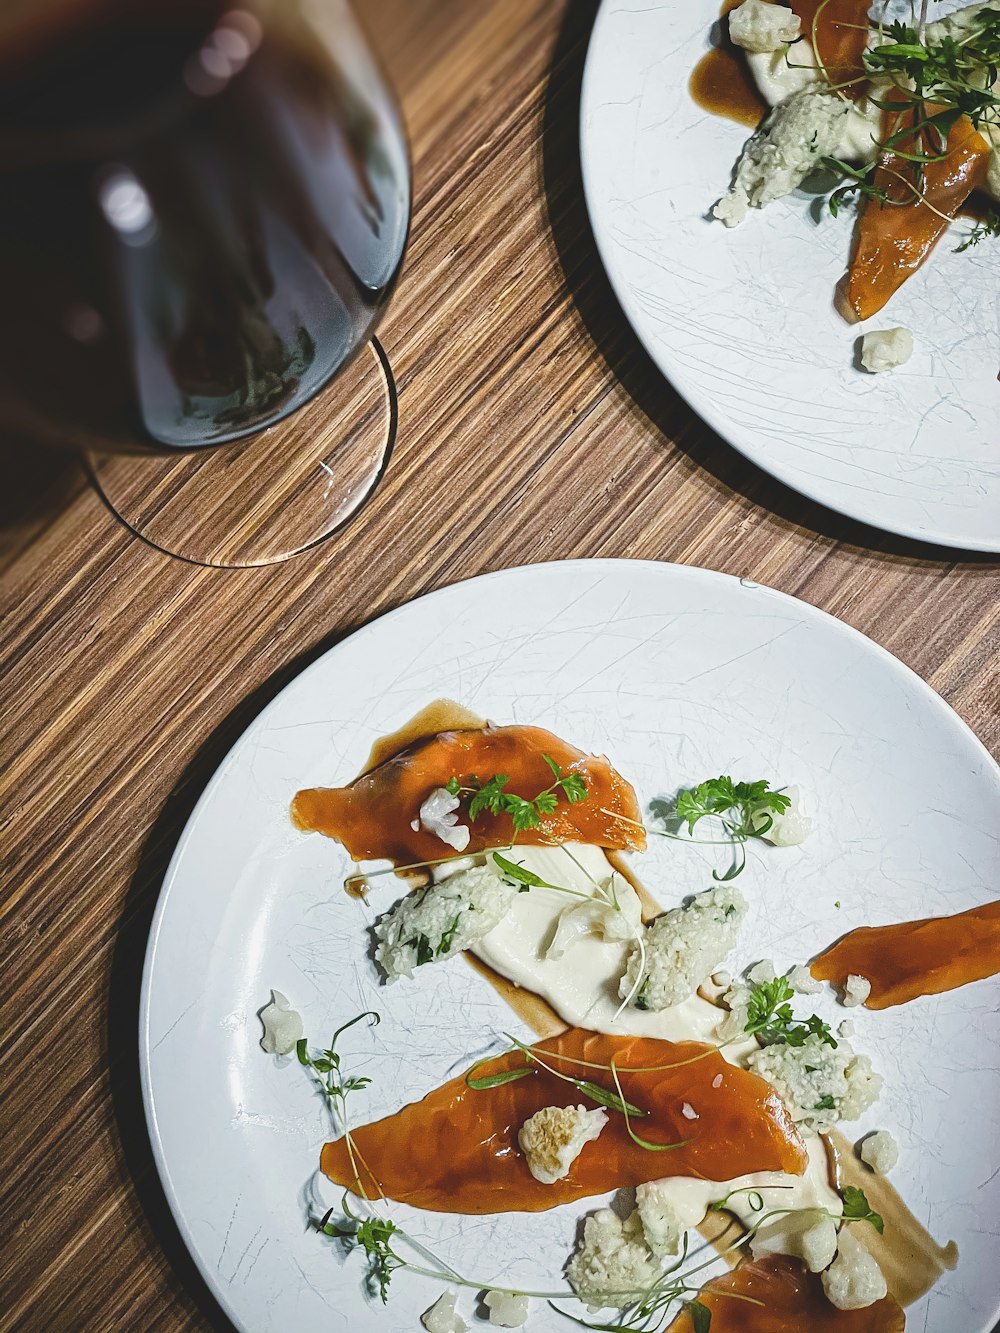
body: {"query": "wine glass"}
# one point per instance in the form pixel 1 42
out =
pixel 203 211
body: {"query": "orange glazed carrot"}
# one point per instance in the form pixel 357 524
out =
pixel 893 239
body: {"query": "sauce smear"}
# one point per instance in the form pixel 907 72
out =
pixel 469 1160
pixel 721 82
pixel 841 34
pixel 791 1299
pixel 913 958
pixel 373 817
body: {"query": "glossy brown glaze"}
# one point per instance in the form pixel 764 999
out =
pixel 469 1161
pixel 438 715
pixel 779 1295
pixel 721 82
pixel 910 1258
pixel 926 957
pixel 893 240
pixel 374 816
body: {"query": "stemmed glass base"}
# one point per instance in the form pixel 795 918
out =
pixel 278 494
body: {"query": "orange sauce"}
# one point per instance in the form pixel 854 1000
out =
pixel 841 32
pixel 374 816
pixel 457 1152
pixel 791 1300
pixel 892 241
pixel 916 958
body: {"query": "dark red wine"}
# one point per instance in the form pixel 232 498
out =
pixel 203 210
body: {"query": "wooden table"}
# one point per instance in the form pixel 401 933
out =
pixel 526 404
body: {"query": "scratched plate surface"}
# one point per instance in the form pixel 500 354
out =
pixel 676 674
pixel 742 321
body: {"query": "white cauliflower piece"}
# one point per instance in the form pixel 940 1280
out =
pixel 662 1225
pixel 880 1151
pixel 438 816
pixel 441 1317
pixel 820 1084
pixel 613 1266
pixel 856 991
pixel 885 349
pixel 854 1280
pixel 809 1234
pixel 553 1138
pixel 758 25
pixel 507 1309
pixel 433 924
pixel 615 920
pixel 282 1026
pixel 761 972
pixel 683 947
pixel 781 154
pixel 802 981
pixel 790 827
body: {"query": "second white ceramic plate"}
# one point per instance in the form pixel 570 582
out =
pixel 677 674
pixel 742 321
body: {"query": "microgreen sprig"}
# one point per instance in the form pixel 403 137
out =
pixel 745 810
pixel 770 1017
pixel 333 1083
pixel 524 813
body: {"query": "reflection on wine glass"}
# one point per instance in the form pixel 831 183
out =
pixel 203 210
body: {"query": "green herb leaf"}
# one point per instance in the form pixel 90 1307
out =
pixel 497 1080
pixel 605 1098
pixel 519 874
pixel 746 810
pixel 701 1316
pixel 825 1103
pixel 858 1209
pixel 770 1017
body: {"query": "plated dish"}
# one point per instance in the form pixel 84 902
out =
pixel 747 319
pixel 251 903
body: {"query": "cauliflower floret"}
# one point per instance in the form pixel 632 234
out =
pixel 440 921
pixel 282 1026
pixel 808 1234
pixel 441 1317
pixel 613 1266
pixel 790 827
pixel 856 991
pixel 438 816
pixel 506 1309
pixel 801 980
pixel 820 1084
pixel 553 1138
pixel 618 919
pixel 683 947
pixel 885 349
pixel 758 25
pixel 880 1151
pixel 662 1225
pixel 761 972
pixel 854 1279
pixel 780 155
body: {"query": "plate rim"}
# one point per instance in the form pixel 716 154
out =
pixel 702 406
pixel 610 564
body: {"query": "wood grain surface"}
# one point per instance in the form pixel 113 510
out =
pixel 532 427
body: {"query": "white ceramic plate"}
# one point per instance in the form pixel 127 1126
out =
pixel 742 322
pixel 677 674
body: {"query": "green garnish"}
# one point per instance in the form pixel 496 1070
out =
pixel 858 1209
pixel 745 809
pixel 524 813
pixel 825 1103
pixel 326 1066
pixel 770 1017
pixel 374 1236
pixel 988 227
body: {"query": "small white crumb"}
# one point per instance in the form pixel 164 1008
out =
pixel 854 1280
pixel 856 991
pixel 441 1317
pixel 282 1026
pixel 885 349
pixel 760 972
pixel 553 1138
pixel 880 1151
pixel 415 825
pixel 722 978
pixel 688 1112
pixel 507 1309
pixel 846 1028
pixel 759 26
pixel 717 1081
pixel 802 981
pixel 438 816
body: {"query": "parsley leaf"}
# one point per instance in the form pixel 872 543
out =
pixel 858 1209
pixel 524 813
pixel 825 1103
pixel 770 1017
pixel 745 809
